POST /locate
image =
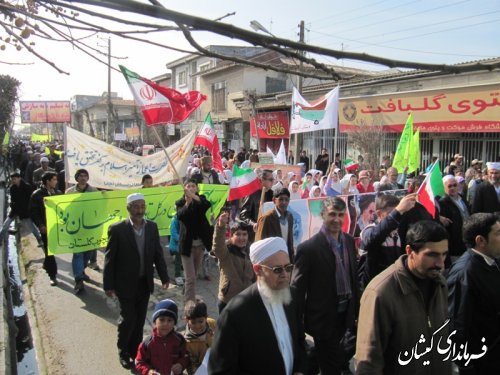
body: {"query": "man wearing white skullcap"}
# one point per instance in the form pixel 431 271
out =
pixel 133 248
pixel 38 173
pixel 487 195
pixel 261 322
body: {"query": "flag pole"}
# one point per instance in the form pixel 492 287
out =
pixel 166 154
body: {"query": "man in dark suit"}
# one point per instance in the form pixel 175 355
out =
pixel 133 247
pixel 487 195
pixel 474 300
pixel 453 210
pixel 258 333
pixel 250 206
pixel 206 175
pixel 278 222
pixel 326 286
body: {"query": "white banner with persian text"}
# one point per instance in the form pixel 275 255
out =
pixel 112 168
pixel 320 114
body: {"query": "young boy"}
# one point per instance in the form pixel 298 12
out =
pixel 164 352
pixel 199 333
pixel 173 247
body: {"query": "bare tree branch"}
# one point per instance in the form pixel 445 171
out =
pixel 202 24
pixel 31 50
pixel 206 52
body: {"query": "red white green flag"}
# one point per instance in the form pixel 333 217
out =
pixel 161 105
pixel 431 188
pixel 350 165
pixel 244 182
pixel 207 137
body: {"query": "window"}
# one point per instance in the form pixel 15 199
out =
pixel 205 66
pixel 182 78
pixel 275 85
pixel 219 96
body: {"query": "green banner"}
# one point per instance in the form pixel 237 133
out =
pixel 40 137
pixel 80 222
pixel 6 139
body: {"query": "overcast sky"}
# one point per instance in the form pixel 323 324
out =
pixel 448 31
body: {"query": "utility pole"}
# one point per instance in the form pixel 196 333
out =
pixel 110 105
pixel 298 136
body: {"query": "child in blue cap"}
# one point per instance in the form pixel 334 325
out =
pixel 164 352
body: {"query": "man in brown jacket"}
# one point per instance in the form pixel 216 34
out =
pixel 278 222
pixel 403 325
pixel 236 273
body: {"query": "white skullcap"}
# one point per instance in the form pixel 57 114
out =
pixel 44 160
pixel 245 164
pixel 447 177
pixel 493 165
pixel 135 197
pixel 263 249
pixel 291 174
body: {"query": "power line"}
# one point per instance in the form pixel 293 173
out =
pixel 349 20
pixel 431 24
pixel 348 12
pixel 417 35
pixel 434 32
pixel 405 16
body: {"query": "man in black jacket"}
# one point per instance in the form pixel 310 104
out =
pixel 206 175
pixel 453 210
pixel 380 243
pixel 250 207
pixel 20 193
pixel 133 248
pixel 327 291
pixel 474 298
pixel 487 196
pixel 37 212
pixel 195 235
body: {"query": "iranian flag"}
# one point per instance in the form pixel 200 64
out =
pixel 350 165
pixel 431 188
pixel 208 139
pixel 161 105
pixel 244 182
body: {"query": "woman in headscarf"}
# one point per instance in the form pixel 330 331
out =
pixel 349 184
pixel 315 192
pixel 333 186
pixel 294 189
pixel 307 184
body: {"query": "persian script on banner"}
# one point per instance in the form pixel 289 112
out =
pixel 319 115
pixel 80 222
pixel 113 168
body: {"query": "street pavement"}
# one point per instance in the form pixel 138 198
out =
pixel 76 334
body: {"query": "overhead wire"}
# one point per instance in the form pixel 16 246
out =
pixel 413 14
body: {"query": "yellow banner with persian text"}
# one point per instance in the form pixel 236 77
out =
pixel 463 109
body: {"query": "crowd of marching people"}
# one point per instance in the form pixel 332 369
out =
pixel 384 291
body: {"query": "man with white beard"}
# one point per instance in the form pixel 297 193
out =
pixel 258 332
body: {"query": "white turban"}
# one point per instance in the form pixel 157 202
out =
pixel 245 164
pixel 447 178
pixel 263 249
pixel 134 197
pixel 493 165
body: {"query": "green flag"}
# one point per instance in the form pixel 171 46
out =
pixel 414 159
pixel 6 138
pixel 403 150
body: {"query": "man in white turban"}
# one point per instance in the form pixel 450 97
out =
pixel 487 195
pixel 258 331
